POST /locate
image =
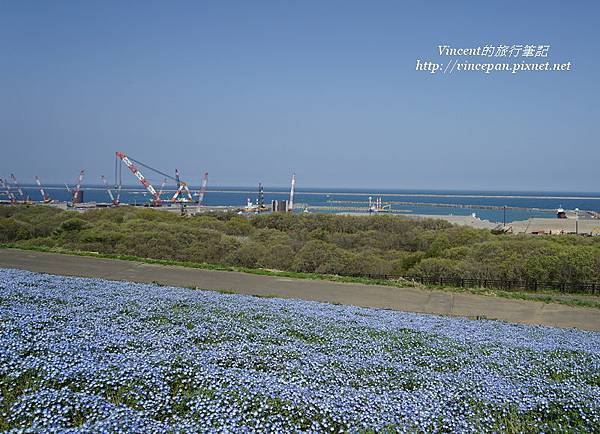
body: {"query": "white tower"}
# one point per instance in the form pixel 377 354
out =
pixel 291 202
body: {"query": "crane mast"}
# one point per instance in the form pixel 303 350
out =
pixel 181 186
pixel 77 189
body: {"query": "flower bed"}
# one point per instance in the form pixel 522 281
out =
pixel 90 354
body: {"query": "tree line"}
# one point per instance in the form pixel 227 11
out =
pixel 312 243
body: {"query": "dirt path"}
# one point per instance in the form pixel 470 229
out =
pixel 406 299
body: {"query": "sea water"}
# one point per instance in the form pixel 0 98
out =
pixel 435 202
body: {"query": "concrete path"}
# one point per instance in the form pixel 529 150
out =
pixel 406 299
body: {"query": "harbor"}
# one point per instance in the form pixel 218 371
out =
pixel 511 212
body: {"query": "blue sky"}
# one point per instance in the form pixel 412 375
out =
pixel 252 91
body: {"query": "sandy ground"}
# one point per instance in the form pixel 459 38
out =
pixel 406 299
pixel 556 226
pixel 542 226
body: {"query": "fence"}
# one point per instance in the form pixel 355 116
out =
pixel 508 285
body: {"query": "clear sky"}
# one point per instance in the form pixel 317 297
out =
pixel 254 90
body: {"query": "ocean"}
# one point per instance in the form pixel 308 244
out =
pixel 520 205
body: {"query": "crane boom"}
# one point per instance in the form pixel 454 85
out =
pixel 139 176
pixel 115 201
pixel 45 197
pixel 202 188
pixel 11 197
pixel 17 186
pixel 162 186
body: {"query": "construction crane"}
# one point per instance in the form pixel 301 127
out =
pixel 202 188
pixel 77 193
pixel 45 197
pixel 115 200
pixel 11 197
pixel 181 187
pixel 182 193
pixel 17 187
pixel 136 172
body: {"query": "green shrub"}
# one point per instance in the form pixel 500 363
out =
pixel 237 226
pixel 320 257
pixel 371 264
pixel 437 267
pixel 8 229
pixel 248 254
pixel 381 244
pixel 277 257
pixel 73 224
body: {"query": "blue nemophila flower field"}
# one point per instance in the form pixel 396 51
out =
pixel 94 355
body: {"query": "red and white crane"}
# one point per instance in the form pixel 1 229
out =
pixel 115 200
pixel 136 172
pixel 181 187
pixel 202 188
pixel 77 190
pixel 182 193
pixel 45 197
